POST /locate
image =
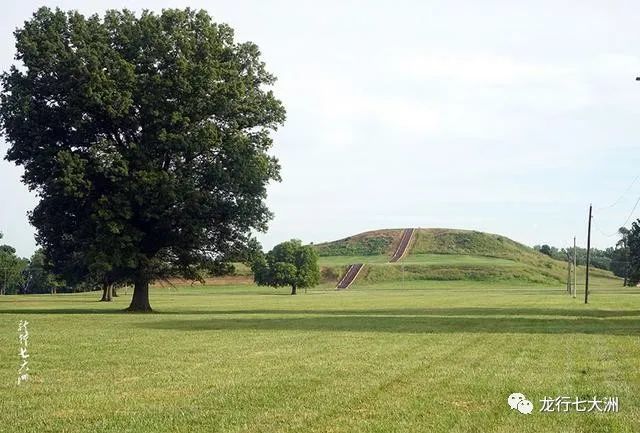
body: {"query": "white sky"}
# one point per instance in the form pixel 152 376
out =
pixel 497 116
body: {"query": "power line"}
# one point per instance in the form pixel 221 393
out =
pixel 621 196
pixel 608 235
pixel 631 213
pixel 625 221
pixel 633 182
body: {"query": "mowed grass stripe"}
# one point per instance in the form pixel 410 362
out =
pixel 383 398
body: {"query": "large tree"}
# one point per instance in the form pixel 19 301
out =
pixel 287 264
pixel 146 138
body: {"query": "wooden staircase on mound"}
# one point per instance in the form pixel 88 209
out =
pixel 349 276
pixel 354 269
pixel 405 240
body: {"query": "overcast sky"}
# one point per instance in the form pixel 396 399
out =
pixel 506 117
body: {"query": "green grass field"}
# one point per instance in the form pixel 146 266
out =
pixel 418 356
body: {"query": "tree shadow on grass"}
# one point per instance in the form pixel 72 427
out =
pixel 407 324
pixel 436 311
pixel 511 313
pixel 119 310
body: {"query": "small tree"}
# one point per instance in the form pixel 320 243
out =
pixel 546 249
pixel 287 264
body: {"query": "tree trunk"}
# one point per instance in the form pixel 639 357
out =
pixel 293 290
pixel 106 293
pixel 114 292
pixel 140 299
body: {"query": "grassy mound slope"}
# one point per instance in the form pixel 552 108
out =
pixel 442 254
pixel 371 243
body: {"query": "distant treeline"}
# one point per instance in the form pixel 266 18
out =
pixel 600 259
pixel 20 275
pixel 615 259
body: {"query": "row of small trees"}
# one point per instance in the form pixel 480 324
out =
pixel 598 258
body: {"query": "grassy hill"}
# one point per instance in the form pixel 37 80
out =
pixel 371 243
pixel 442 254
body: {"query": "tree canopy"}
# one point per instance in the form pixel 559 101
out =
pixel 287 264
pixel 632 241
pixel 146 138
pixel 546 249
pixel 620 261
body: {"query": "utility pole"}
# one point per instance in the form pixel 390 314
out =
pixel 586 281
pixel 568 272
pixel 3 291
pixel 575 267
